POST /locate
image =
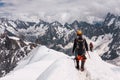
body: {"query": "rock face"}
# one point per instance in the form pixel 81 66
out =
pixel 12 49
pixel 112 25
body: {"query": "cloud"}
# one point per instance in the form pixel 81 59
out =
pixel 61 10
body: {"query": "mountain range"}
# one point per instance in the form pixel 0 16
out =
pixel 61 36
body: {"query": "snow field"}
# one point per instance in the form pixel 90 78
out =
pixel 46 64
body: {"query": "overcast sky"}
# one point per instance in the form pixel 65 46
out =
pixel 61 10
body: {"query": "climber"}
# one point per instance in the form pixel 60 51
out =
pixel 91 46
pixel 80 47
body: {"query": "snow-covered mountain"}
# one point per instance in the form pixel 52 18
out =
pixel 53 35
pixel 46 64
pixel 60 36
pixel 111 26
pixel 12 50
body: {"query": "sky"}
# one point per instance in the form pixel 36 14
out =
pixel 60 10
pixel 1 4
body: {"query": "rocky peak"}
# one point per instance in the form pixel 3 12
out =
pixel 12 49
pixel 110 18
pixel 41 23
pixel 56 23
pixel 75 25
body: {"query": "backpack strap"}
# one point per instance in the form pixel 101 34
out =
pixel 83 40
pixel 83 43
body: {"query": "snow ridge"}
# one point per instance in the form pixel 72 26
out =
pixel 46 64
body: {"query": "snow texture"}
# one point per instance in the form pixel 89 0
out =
pixel 46 64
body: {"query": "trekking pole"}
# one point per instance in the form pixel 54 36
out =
pixel 88 54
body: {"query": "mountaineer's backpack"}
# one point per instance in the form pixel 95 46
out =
pixel 80 46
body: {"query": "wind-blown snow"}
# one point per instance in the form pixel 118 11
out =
pixel 46 64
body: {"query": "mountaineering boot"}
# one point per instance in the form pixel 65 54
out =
pixel 82 65
pixel 77 61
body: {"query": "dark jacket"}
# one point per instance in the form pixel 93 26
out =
pixel 80 51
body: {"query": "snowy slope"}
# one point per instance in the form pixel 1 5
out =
pixel 100 70
pixel 46 64
pixel 102 43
